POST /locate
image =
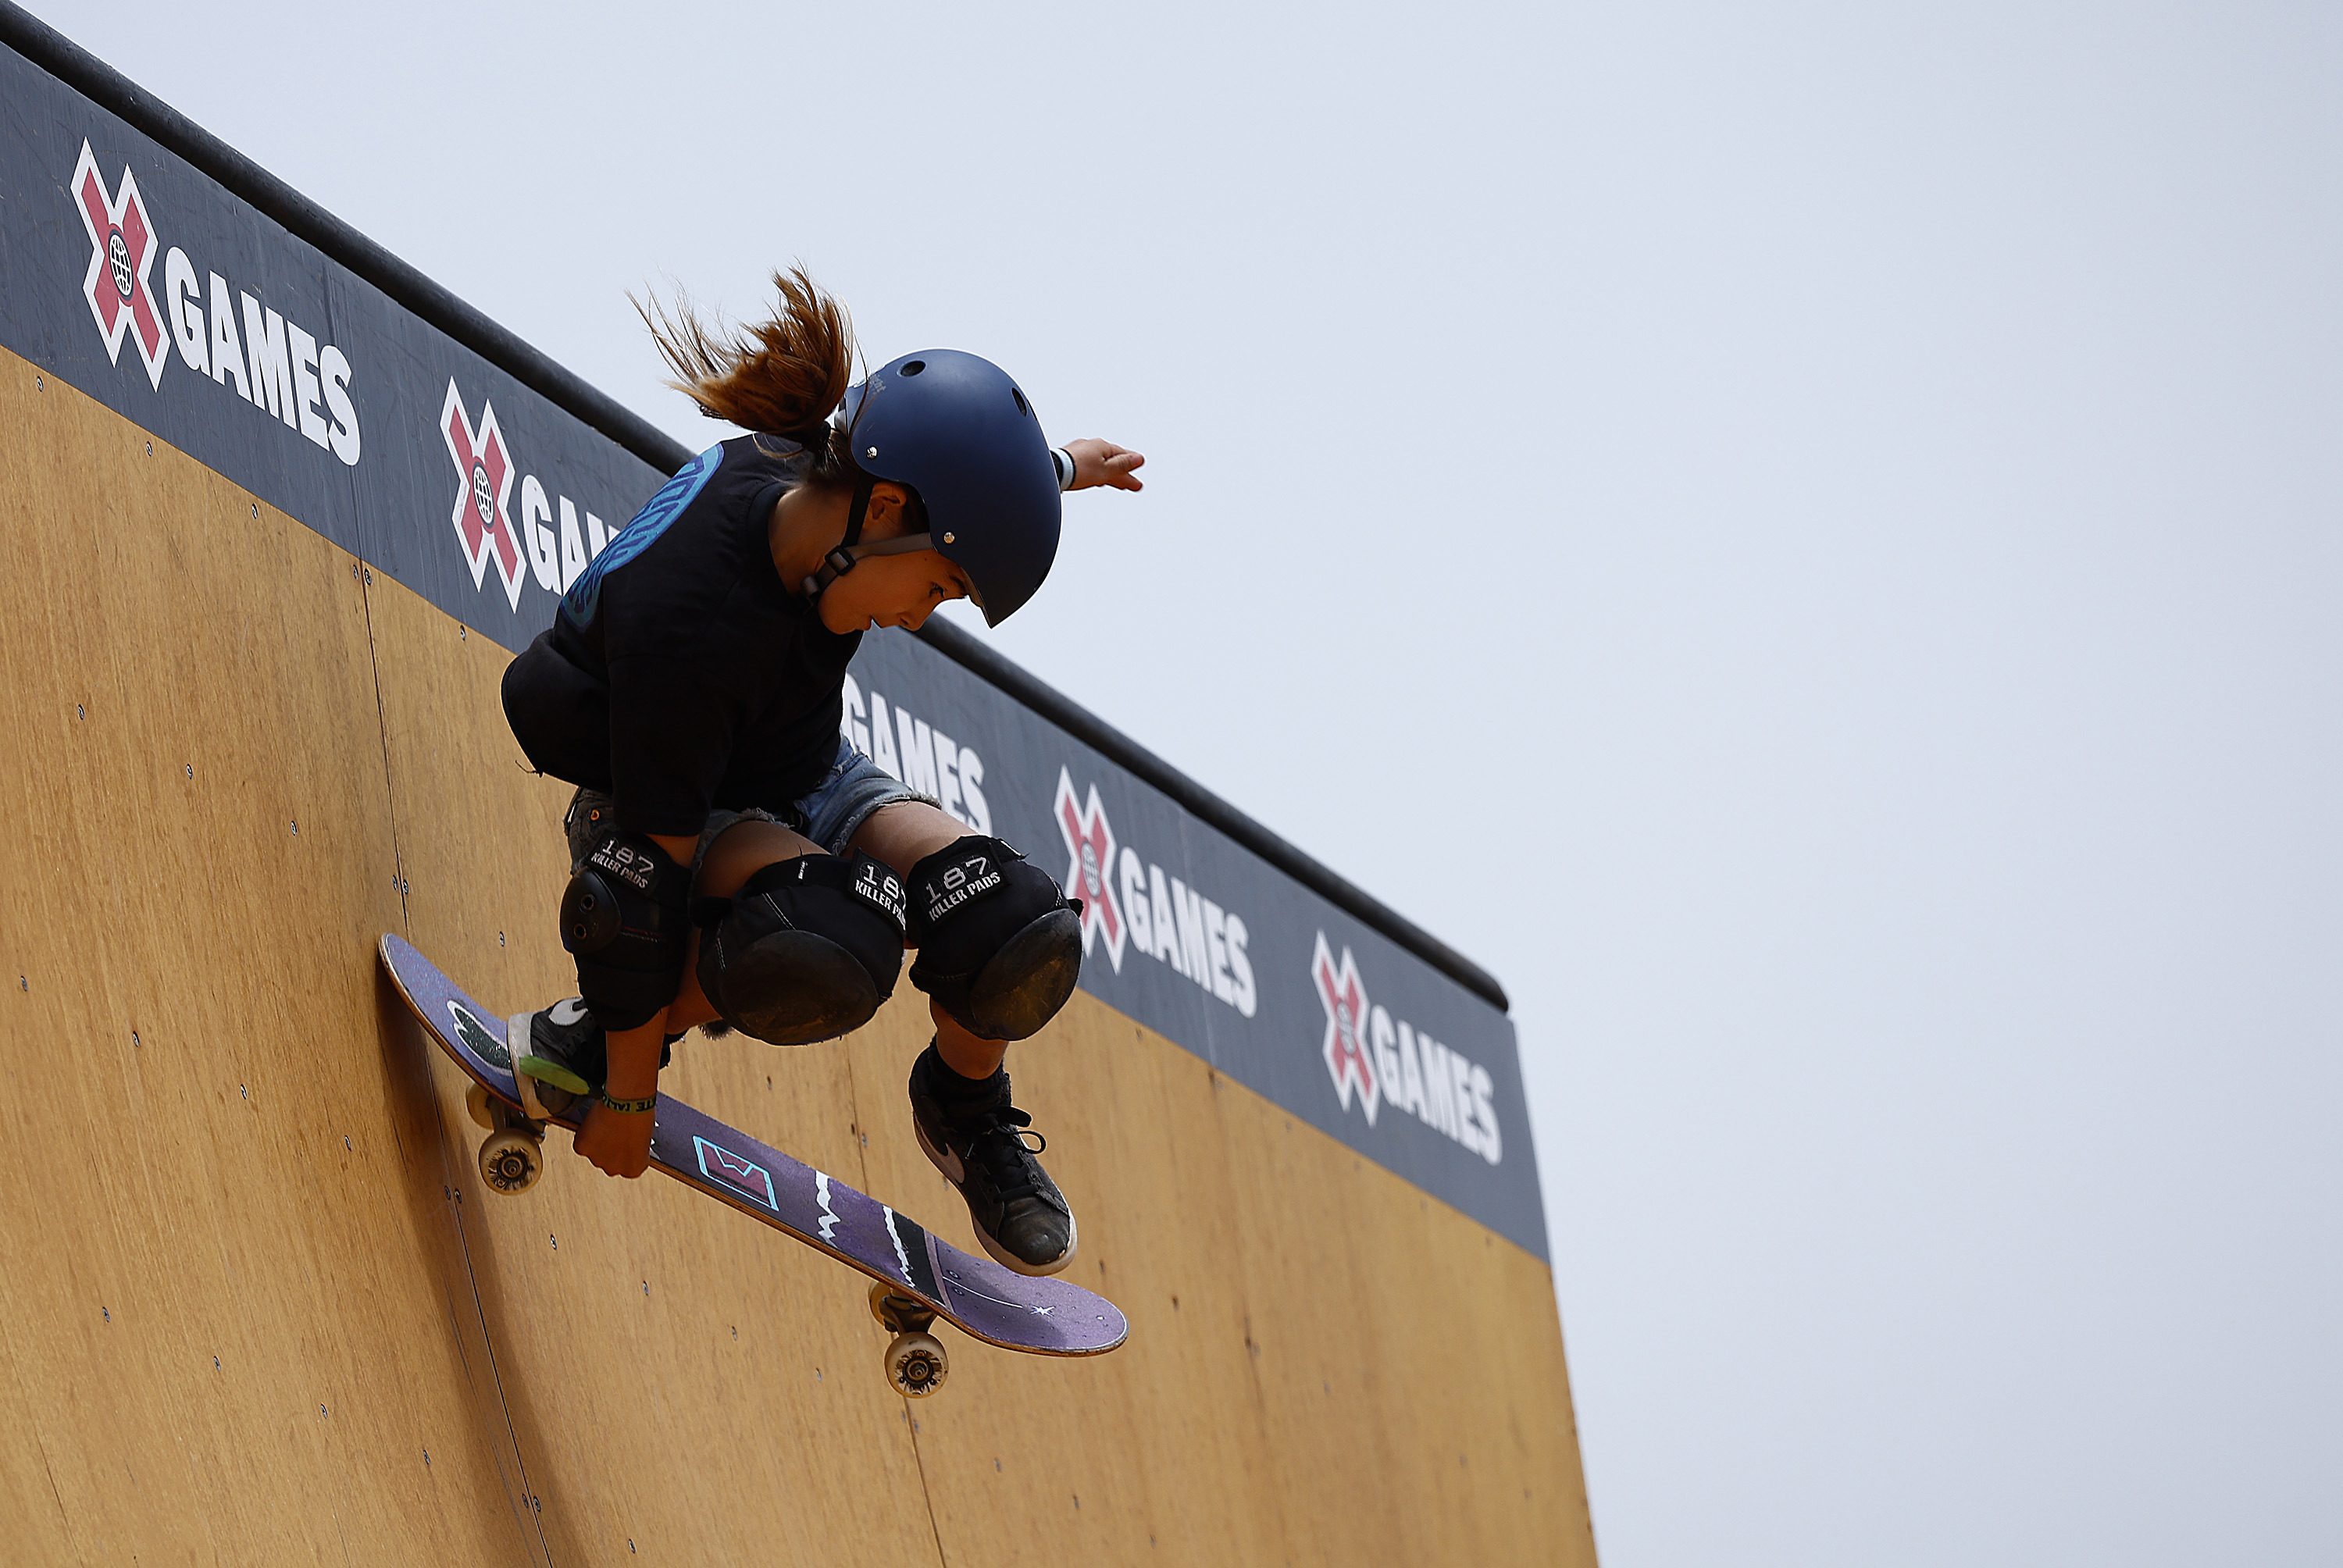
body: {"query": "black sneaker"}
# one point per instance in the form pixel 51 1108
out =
pixel 558 1057
pixel 978 1140
pixel 563 1055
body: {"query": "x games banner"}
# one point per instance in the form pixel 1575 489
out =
pixel 138 280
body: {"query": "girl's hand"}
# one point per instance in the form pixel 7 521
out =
pixel 619 1144
pixel 1097 462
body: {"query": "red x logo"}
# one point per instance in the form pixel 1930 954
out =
pixel 1090 874
pixel 482 516
pixel 122 252
pixel 1345 1001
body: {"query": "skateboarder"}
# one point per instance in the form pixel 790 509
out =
pixel 737 862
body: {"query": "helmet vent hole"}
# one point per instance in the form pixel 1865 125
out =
pixel 1021 406
pixel 912 366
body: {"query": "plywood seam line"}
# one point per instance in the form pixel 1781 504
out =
pixel 862 1178
pixel 382 729
pixel 533 1521
pixel 926 1493
pixel 49 1473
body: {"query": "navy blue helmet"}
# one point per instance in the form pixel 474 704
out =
pixel 954 427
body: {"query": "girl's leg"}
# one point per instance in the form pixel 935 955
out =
pixel 740 852
pixel 964 1120
pixel 902 834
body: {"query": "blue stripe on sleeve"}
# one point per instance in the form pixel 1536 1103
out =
pixel 584 594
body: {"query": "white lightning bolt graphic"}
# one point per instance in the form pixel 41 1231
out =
pixel 903 1258
pixel 828 1214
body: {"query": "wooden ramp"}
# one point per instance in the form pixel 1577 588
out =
pixel 257 1308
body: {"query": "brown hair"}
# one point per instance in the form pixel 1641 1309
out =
pixel 784 375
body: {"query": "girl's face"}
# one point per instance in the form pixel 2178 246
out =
pixel 881 591
pixel 892 590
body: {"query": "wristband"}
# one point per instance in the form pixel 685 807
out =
pixel 1064 462
pixel 629 1107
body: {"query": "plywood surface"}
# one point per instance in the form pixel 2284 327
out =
pixel 222 1216
pixel 253 1277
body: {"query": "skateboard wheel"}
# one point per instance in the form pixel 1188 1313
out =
pixel 510 1161
pixel 476 1106
pixel 915 1365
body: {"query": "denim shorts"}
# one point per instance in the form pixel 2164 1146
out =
pixel 831 816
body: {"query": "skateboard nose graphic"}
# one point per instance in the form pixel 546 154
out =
pixel 742 1175
pixel 475 1033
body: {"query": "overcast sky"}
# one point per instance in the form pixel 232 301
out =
pixel 1840 501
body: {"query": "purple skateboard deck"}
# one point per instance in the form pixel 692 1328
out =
pixel 1042 1316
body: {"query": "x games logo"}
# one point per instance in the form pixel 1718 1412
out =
pixel 1379 1059
pixel 122 253
pixel 271 363
pixel 483 512
pixel 1090 871
pixel 1349 1059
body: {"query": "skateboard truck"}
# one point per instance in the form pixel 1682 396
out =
pixel 512 1156
pixel 915 1359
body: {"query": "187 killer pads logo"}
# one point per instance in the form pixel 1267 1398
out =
pixel 1374 1057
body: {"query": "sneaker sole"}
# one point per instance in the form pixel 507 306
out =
pixel 529 1070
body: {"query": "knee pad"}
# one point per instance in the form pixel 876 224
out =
pixel 624 918
pixel 806 950
pixel 1000 945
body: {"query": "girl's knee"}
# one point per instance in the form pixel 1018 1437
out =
pixel 743 850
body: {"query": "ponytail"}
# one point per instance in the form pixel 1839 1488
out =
pixel 784 375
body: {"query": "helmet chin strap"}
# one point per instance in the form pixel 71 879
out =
pixel 848 550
